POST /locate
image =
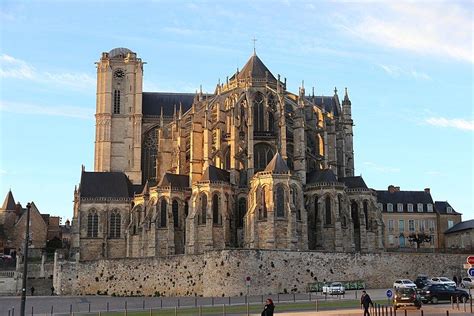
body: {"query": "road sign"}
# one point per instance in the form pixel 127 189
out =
pixel 247 281
pixel 389 293
pixel 470 272
pixel 470 260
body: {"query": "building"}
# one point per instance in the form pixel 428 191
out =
pixel 251 165
pixel 460 236
pixel 447 218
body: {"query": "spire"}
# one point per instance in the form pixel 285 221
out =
pixel 335 91
pixel 346 100
pixel 277 165
pixel 9 203
pixel 254 50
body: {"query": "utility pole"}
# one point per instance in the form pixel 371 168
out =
pixel 25 260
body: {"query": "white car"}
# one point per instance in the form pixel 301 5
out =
pixel 403 283
pixel 467 282
pixel 443 280
pixel 334 288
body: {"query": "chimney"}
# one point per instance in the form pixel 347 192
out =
pixel 427 190
pixel 391 189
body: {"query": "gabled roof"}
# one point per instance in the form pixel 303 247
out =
pixel 106 184
pixel 354 182
pixel 174 180
pixel 9 203
pixel 153 102
pixel 329 104
pixel 325 175
pixel 255 68
pixel 442 208
pixel 461 226
pixel 404 197
pixel 277 165
pixel 213 173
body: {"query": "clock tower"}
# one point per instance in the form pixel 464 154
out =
pixel 119 113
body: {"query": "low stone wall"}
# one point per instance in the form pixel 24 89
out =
pixel 223 273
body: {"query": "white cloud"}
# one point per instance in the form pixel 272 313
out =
pixel 396 72
pixel 13 68
pixel 62 110
pixel 462 124
pixel 380 168
pixel 442 29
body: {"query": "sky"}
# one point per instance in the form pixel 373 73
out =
pixel 408 67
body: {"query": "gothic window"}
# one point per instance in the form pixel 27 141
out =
pixel 263 154
pixel 242 209
pixel 280 197
pixel 271 122
pixel 264 203
pixel 290 155
pixel 116 101
pixel 259 112
pixel 114 227
pixel 203 208
pixel 149 153
pixel 328 211
pixel 355 214
pixel 215 209
pixel 92 224
pixel 186 209
pixel 366 213
pixel 163 213
pixel 227 159
pixel 175 210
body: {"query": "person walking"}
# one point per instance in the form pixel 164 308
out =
pixel 365 301
pixel 269 308
pixel 32 291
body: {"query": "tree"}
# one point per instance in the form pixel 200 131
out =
pixel 419 238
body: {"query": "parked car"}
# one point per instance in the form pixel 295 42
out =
pixel 5 257
pixel 334 288
pixel 443 280
pixel 405 297
pixel 402 283
pixel 422 281
pixel 467 282
pixel 440 292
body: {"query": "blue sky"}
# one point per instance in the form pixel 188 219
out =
pixel 408 67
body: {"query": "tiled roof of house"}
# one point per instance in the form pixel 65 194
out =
pixel 106 184
pixel 461 226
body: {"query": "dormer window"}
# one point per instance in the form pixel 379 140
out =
pixel 449 209
pixel 429 207
pixel 389 207
pixel 410 208
pixel 399 207
pixel 420 208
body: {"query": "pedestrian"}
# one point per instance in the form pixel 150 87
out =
pixel 455 279
pixel 52 291
pixel 269 308
pixel 32 291
pixel 365 301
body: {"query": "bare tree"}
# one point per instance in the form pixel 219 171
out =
pixel 419 238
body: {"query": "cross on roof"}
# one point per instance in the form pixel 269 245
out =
pixel 254 40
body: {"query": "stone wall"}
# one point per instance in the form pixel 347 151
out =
pixel 220 273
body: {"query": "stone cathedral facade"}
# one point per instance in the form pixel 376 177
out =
pixel 251 166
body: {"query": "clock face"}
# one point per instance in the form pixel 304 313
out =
pixel 119 74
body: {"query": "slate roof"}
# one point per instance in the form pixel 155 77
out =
pixel 326 102
pixel 152 102
pixel 212 173
pixel 277 165
pixel 256 69
pixel 441 207
pixel 325 175
pixel 9 203
pixel 405 197
pixel 354 182
pixel 106 184
pixel 461 226
pixel 174 180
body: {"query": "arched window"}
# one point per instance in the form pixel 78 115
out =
pixel 227 159
pixel 263 153
pixel 92 224
pixel 366 214
pixel 175 210
pixel 280 197
pixel 163 213
pixel 355 214
pixel 242 209
pixel 258 112
pixel 149 153
pixel 271 122
pixel 186 209
pixel 215 209
pixel 114 227
pixel 328 211
pixel 203 208
pixel 116 101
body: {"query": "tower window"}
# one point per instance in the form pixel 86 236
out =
pixel 116 101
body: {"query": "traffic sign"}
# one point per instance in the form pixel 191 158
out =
pixel 247 281
pixel 470 272
pixel 389 293
pixel 470 260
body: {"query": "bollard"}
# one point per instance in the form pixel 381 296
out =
pixel 391 310
pixel 248 309
pixel 394 312
pixel 317 307
pixel 223 309
pixel 32 311
pixel 13 311
pixel 200 310
pixel 405 312
pixel 355 294
pixel 100 313
pixel 52 310
pixel 447 313
pixel 386 310
pixel 464 306
pixel 452 302
pixel 8 312
pixel 151 312
pixel 421 312
pixel 175 311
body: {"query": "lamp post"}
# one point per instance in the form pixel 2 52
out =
pixel 25 261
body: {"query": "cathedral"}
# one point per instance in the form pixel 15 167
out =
pixel 250 166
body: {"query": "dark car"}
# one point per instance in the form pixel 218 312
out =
pixel 440 292
pixel 422 281
pixel 406 297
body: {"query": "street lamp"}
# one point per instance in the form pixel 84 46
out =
pixel 25 260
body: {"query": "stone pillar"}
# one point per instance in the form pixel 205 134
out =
pixel 363 228
pixel 43 260
pixel 271 241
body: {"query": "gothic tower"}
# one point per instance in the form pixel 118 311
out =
pixel 119 113
pixel 348 141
